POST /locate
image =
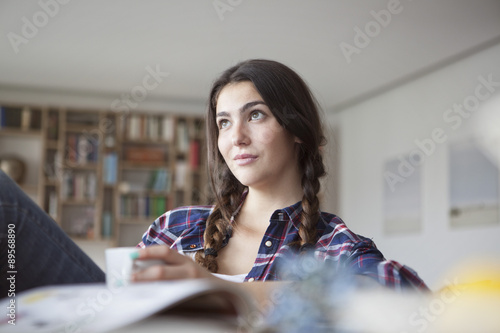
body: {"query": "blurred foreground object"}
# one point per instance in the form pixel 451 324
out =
pixel 326 302
pixel 14 167
pixel 477 305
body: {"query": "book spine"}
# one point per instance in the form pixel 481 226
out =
pixel 91 186
pixel 94 150
pixel 2 117
pixel 71 138
pixel 134 128
pixel 160 206
pixel 107 223
pixel 25 119
pixel 194 152
pixel 52 131
pixel 167 129
pixel 53 204
pixel 82 150
pixel 180 174
pixel 142 127
pixel 182 137
pixel 110 166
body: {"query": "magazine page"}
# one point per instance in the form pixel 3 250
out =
pixel 97 308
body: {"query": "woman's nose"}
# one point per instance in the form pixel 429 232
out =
pixel 240 135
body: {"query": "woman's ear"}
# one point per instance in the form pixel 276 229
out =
pixel 297 140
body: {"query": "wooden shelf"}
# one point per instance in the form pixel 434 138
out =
pixel 51 182
pixel 29 188
pixel 76 202
pixel 6 131
pixel 51 144
pixel 146 142
pixel 140 165
pixel 62 130
pixel 81 166
pixel 74 128
pixel 145 192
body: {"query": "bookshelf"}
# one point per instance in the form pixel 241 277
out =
pixel 20 138
pixel 156 168
pixel 103 175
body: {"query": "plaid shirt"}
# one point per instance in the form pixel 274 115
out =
pixel 182 229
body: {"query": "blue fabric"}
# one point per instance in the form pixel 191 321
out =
pixel 44 254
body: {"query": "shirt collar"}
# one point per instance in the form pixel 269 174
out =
pixel 291 213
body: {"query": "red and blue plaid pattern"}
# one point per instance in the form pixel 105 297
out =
pixel 182 229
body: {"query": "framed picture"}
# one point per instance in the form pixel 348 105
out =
pixel 402 194
pixel 473 185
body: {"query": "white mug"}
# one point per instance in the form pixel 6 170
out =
pixel 120 265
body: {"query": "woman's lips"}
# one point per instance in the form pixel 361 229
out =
pixel 244 159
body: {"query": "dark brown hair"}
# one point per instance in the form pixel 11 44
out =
pixel 293 105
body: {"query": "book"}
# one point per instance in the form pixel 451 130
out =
pixel 182 136
pixel 53 199
pixel 141 154
pixel 181 169
pixel 11 117
pixel 98 308
pixel 134 127
pixel 35 119
pixel 2 117
pixel 110 167
pixel 107 224
pixel 167 129
pixel 25 118
pixel 194 152
pixel 53 126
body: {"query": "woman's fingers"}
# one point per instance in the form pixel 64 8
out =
pixel 162 252
pixel 165 272
pixel 175 265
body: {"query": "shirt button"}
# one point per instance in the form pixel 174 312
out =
pixel 192 246
pixel 268 243
pixel 251 280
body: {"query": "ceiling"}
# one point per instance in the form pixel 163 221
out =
pixel 104 47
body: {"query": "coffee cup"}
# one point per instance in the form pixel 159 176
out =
pixel 120 265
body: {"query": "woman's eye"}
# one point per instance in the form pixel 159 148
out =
pixel 223 123
pixel 256 115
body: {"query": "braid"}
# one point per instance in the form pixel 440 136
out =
pixel 228 196
pixel 313 169
pixel 214 236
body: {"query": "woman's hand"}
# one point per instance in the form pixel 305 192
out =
pixel 176 266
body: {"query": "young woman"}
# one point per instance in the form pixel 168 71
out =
pixel 264 137
pixel 265 162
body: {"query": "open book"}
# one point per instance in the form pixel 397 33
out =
pixel 96 308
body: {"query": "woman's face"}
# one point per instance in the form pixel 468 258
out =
pixel 258 150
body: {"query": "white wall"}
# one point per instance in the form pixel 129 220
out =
pixel 387 125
